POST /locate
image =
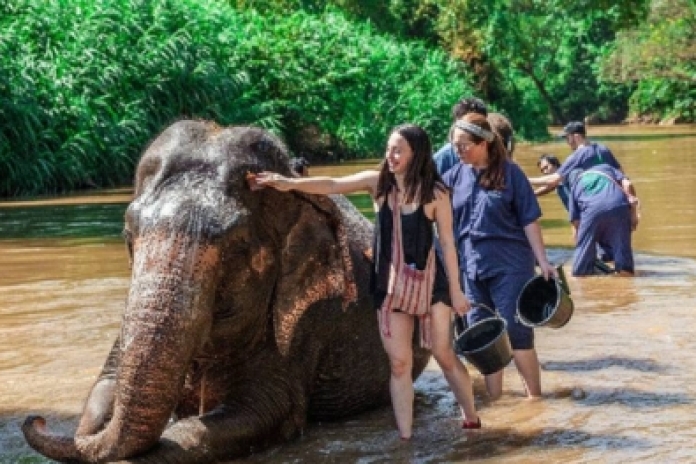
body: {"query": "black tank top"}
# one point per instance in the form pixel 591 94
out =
pixel 417 239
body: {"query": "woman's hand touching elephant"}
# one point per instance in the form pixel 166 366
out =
pixel 275 180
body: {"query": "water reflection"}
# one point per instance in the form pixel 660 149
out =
pixel 618 379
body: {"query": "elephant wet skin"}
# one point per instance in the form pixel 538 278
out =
pixel 248 312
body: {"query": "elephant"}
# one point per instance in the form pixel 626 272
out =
pixel 248 315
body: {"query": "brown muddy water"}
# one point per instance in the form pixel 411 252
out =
pixel 619 379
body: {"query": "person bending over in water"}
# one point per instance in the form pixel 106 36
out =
pixel 408 195
pixel 601 215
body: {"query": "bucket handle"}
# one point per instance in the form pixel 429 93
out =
pixel 487 308
pixel 562 278
pixel 459 324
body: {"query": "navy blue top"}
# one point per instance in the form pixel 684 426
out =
pixel 445 158
pixel 489 224
pixel 594 191
pixel 586 157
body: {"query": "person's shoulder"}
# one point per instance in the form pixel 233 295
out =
pixel 440 192
pixel 600 146
pixel 445 150
pixel 513 169
pixel 584 150
pixel 455 171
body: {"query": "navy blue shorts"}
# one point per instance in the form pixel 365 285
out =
pixel 500 292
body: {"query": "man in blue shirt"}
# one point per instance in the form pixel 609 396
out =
pixel 446 157
pixel 585 155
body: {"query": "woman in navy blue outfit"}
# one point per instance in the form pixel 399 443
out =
pixel 408 179
pixel 498 236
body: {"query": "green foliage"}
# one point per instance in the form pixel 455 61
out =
pixel 554 45
pixel 659 57
pixel 344 82
pixel 537 60
pixel 84 84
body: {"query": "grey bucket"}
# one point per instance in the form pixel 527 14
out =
pixel 545 303
pixel 484 344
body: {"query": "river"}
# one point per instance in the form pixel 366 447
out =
pixel 619 379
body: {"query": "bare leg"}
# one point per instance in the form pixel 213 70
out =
pixel 455 372
pixel 527 365
pixel 400 352
pixel 494 385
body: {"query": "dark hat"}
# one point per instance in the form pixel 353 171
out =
pixel 573 127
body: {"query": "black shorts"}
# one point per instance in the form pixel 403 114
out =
pixel 441 292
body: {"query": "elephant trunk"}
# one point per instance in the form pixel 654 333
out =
pixel 168 316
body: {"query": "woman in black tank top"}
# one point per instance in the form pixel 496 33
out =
pixel 418 235
pixel 409 179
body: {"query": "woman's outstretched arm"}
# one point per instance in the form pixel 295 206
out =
pixel 360 181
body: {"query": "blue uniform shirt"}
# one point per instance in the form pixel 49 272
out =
pixel 586 157
pixel 597 189
pixel 445 158
pixel 489 224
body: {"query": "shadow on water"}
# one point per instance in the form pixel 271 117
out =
pixel 11 438
pixel 499 443
pixel 442 441
pixel 632 398
pixel 554 223
pixel 62 221
pixel 643 365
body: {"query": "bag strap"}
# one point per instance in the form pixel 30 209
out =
pixel 397 256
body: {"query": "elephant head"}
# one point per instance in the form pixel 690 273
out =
pixel 220 275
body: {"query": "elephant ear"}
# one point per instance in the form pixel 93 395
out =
pixel 316 265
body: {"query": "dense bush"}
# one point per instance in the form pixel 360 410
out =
pixel 84 84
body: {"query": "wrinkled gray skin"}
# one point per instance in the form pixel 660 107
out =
pixel 248 312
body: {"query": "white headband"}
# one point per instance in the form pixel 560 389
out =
pixel 488 136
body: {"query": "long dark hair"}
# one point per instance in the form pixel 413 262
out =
pixel 422 177
pixel 493 177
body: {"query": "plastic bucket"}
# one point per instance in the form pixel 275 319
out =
pixel 484 344
pixel 544 303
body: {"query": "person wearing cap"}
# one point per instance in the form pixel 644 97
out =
pixel 585 155
pixel 601 215
pixel 548 164
pixel 496 225
pixel 446 157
